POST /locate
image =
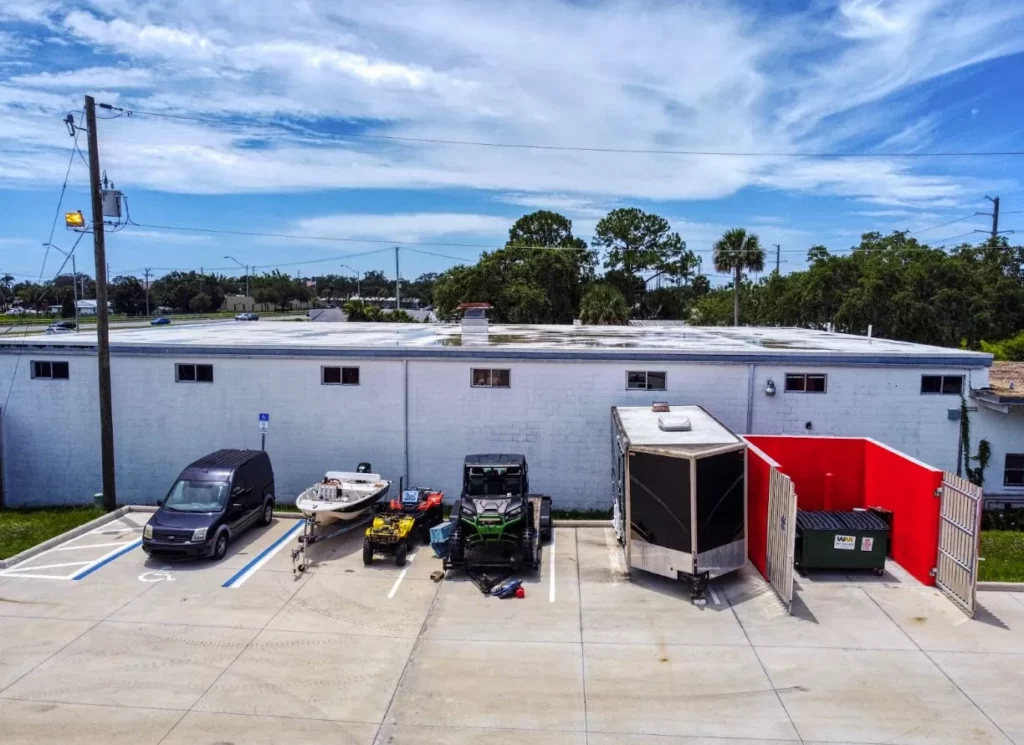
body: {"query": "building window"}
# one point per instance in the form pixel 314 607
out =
pixel 339 375
pixel 189 373
pixel 50 370
pixel 1013 473
pixel 484 378
pixel 646 380
pixel 805 383
pixel 949 384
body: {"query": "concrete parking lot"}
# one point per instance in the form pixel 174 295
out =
pixel 144 651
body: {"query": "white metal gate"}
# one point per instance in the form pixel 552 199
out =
pixel 781 535
pixel 959 532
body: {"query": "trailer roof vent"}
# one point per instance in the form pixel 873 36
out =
pixel 675 423
pixel 659 406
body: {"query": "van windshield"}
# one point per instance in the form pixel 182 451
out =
pixel 197 496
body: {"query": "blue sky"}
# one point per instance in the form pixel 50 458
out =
pixel 286 86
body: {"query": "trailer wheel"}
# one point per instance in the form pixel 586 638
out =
pixel 367 552
pixel 401 551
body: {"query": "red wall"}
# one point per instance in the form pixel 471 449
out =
pixel 806 460
pixel 758 468
pixel 907 487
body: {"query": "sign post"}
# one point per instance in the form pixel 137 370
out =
pixel 264 427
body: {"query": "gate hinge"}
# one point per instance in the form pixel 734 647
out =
pixel 934 571
pixel 938 492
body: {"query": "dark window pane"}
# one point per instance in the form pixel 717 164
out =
pixel 204 373
pixel 796 382
pixel 636 380
pixel 481 377
pixel 656 381
pixel 500 378
pixel 186 373
pixel 41 370
pixel 931 384
pixel 815 383
pixel 1013 473
pixel 952 384
pixel 331 375
pixel 350 375
pixel 60 370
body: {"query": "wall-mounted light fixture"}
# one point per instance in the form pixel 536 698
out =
pixel 769 390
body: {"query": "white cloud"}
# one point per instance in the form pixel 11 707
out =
pixel 408 227
pixel 676 76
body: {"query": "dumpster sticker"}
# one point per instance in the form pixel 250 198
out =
pixel 866 543
pixel 845 542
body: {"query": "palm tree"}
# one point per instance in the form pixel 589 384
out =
pixel 604 305
pixel 735 251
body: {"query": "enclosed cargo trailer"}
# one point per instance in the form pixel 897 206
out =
pixel 680 495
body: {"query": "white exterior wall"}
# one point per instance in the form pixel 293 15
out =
pixel 556 412
pixel 1005 434
pixel 883 402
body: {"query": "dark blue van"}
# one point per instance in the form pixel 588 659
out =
pixel 214 501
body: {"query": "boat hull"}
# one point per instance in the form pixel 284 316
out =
pixel 332 512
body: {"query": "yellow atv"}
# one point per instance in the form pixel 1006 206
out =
pixel 391 533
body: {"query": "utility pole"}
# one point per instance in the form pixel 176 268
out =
pixel 74 286
pixel 102 321
pixel 778 252
pixel 398 283
pixel 995 216
pixel 146 273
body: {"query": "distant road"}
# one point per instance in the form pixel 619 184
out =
pixel 20 329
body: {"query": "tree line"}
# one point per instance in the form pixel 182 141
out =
pixel 637 267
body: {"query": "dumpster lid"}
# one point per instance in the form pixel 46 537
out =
pixel 833 520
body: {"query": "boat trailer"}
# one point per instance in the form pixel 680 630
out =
pixel 309 537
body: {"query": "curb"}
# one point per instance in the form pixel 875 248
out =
pixel 581 523
pixel 1001 587
pixel 28 553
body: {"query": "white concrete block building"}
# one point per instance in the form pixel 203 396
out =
pixel 415 399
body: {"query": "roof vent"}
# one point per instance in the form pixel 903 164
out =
pixel 474 322
pixel 674 423
pixel 659 406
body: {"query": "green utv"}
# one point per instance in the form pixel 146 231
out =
pixel 497 524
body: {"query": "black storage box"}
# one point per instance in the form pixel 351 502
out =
pixel 841 540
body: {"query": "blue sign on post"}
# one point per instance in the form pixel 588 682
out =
pixel 264 422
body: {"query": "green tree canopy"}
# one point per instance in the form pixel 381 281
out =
pixel 736 251
pixel 604 305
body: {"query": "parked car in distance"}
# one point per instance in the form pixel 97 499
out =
pixel 247 317
pixel 212 503
pixel 160 321
pixel 61 327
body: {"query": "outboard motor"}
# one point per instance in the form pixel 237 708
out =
pixel 364 467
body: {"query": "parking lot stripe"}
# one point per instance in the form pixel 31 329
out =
pixel 714 595
pixel 36 576
pixel 551 548
pixel 24 566
pixel 266 555
pixel 104 560
pixel 394 587
pixel 88 545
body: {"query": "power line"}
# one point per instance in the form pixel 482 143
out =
pixel 944 224
pixel 590 149
pixel 60 200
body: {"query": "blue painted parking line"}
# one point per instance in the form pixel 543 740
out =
pixel 266 555
pixel 106 559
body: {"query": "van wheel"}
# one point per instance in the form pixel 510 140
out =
pixel 268 513
pixel 220 547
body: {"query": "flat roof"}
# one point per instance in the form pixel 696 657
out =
pixel 406 340
pixel 640 425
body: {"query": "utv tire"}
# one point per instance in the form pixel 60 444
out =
pixel 456 551
pixel 367 552
pixel 401 551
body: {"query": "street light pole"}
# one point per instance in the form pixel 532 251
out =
pixel 244 266
pixel 358 293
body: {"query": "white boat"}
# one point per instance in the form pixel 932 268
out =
pixel 342 495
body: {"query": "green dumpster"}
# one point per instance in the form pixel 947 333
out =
pixel 841 540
